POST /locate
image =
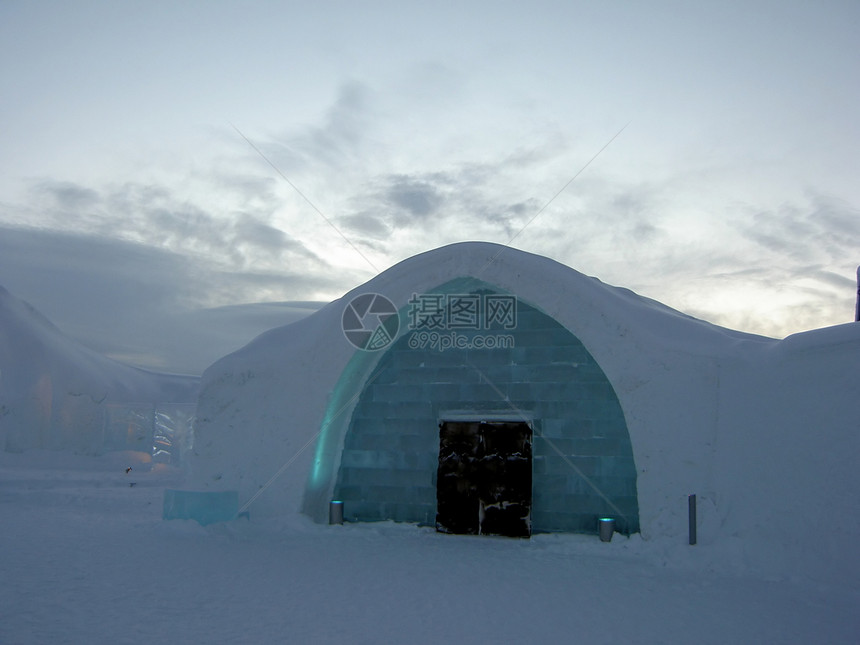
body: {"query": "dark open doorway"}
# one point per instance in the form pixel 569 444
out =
pixel 484 483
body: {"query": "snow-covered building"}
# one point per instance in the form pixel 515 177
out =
pixel 484 389
pixel 58 394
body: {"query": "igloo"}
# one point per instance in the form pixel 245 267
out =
pixel 408 398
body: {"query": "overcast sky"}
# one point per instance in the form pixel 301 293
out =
pixel 131 203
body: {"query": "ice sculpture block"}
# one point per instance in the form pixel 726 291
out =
pixel 203 507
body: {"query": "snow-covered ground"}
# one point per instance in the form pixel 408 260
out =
pixel 86 558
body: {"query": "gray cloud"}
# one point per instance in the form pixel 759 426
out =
pixel 138 302
pixel 170 256
pixel 803 253
pixel 336 142
pixel 367 225
pixel 467 200
pixel 841 283
pixel 331 158
pixel 630 234
pixel 800 256
pixel 152 215
pixel 823 228
pixel 414 198
pixel 71 197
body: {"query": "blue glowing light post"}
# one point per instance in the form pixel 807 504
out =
pixel 335 512
pixel 607 528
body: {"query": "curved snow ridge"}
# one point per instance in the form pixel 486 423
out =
pixel 31 346
pixel 583 304
pixel 844 336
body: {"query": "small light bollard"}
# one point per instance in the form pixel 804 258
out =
pixel 691 511
pixel 335 512
pixel 607 528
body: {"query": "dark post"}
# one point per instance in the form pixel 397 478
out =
pixel 857 306
pixel 691 507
